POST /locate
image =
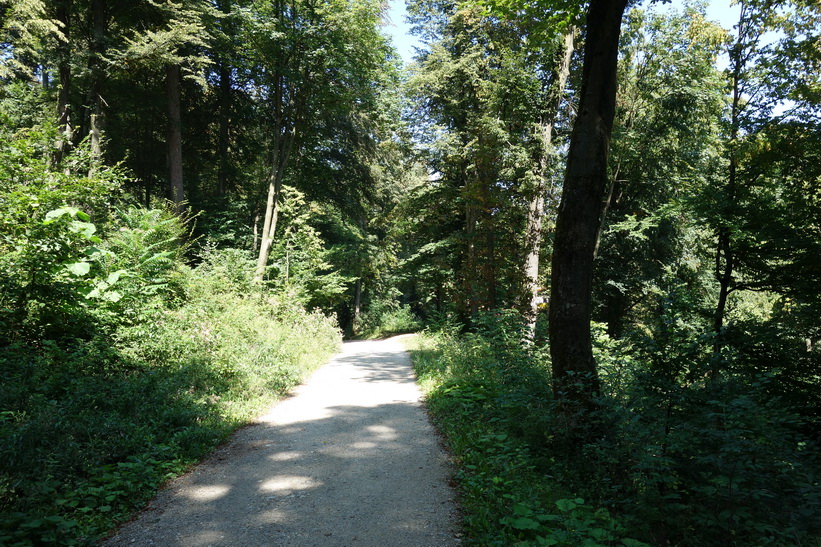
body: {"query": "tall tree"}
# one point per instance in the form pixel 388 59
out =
pixel 763 77
pixel 174 45
pixel 536 207
pixel 317 64
pixel 575 375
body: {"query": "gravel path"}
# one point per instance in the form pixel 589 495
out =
pixel 350 459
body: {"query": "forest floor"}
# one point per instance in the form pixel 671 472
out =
pixel 349 459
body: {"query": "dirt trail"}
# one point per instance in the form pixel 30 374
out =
pixel 349 460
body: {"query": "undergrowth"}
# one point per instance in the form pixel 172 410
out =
pixel 490 397
pixel 668 459
pixel 91 427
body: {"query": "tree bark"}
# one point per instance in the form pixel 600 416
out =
pixel 575 377
pixel 95 100
pixel 535 213
pixel 224 117
pixel 283 144
pixel 224 105
pixel 64 130
pixel 174 136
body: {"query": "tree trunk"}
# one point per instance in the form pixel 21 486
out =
pixel 724 258
pixel 575 378
pixel 95 99
pixel 269 224
pixel 174 138
pixel 64 131
pixel 282 152
pixel 535 213
pixel 224 108
pixel 357 300
pixel 472 262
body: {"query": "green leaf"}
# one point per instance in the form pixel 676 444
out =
pixel 51 216
pixel 524 523
pixel 79 268
pixel 114 277
pixel 112 296
pixel 566 505
pixel 86 229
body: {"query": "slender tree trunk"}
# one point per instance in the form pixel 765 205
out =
pixel 724 258
pixel 224 108
pixel 490 270
pixel 472 262
pixel 575 378
pixel 269 224
pixel 256 233
pixel 95 99
pixel 282 153
pixel 64 130
pixel 535 213
pixel 174 137
pixel 357 300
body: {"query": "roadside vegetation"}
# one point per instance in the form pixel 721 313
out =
pixel 130 351
pixel 664 462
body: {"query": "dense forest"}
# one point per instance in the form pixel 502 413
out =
pixel 604 217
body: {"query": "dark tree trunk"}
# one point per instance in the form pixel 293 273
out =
pixel 725 256
pixel 224 69
pixel 575 378
pixel 174 138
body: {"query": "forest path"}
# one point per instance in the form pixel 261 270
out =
pixel 350 459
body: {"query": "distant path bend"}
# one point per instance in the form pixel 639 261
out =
pixel 349 459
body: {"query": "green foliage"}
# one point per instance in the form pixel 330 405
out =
pixel 676 457
pixel 491 398
pixel 385 317
pixel 108 422
pixel 300 265
pixel 50 251
pixel 121 364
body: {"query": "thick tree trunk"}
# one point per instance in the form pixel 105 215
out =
pixel 575 378
pixel 174 137
pixel 535 213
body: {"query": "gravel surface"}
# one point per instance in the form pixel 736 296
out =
pixel 349 459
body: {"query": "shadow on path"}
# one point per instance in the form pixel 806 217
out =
pixel 349 459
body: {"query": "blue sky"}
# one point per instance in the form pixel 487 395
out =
pixel 718 10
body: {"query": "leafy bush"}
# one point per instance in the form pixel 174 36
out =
pixel 386 316
pixel 98 426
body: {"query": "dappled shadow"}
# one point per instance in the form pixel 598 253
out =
pixel 350 459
